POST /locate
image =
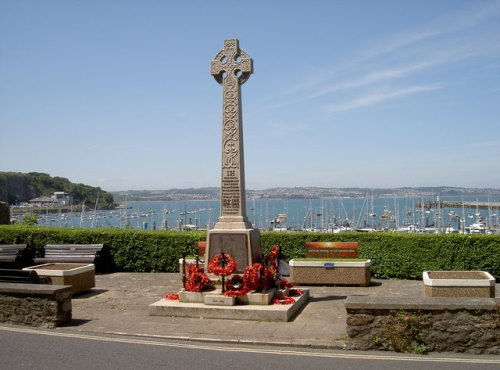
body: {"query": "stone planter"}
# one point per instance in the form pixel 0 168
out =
pixel 330 271
pixel 459 284
pixel 80 276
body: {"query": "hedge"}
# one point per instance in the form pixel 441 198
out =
pixel 394 255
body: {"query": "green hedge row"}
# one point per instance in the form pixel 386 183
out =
pixel 394 256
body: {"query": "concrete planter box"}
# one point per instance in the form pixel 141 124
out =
pixel 459 284
pixel 330 271
pixel 80 276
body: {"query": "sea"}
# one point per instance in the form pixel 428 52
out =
pixel 315 215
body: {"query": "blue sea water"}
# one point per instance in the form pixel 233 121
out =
pixel 324 214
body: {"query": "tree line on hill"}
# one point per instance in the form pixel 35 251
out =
pixel 16 187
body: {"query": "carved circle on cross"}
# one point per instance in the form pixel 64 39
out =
pixel 229 62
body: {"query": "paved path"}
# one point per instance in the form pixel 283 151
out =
pixel 119 304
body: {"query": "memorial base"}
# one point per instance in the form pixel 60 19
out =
pixel 242 244
pixel 255 298
pixel 219 300
pixel 271 312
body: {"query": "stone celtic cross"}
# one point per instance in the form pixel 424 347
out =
pixel 231 68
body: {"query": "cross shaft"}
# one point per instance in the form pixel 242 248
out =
pixel 231 68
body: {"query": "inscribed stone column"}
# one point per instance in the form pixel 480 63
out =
pixel 233 233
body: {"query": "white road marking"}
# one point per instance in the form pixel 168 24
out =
pixel 349 355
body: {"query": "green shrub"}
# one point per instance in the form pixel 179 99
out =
pixel 393 255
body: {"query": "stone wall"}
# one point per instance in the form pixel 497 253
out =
pixel 470 325
pixel 35 304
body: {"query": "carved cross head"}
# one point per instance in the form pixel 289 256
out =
pixel 231 63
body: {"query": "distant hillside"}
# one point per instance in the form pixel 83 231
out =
pixel 16 187
pixel 209 193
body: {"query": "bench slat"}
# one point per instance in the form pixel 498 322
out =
pixel 81 253
pixel 15 254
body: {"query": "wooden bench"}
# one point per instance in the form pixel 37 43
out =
pixel 16 255
pixel 22 276
pixel 73 253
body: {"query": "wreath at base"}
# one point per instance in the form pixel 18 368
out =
pixel 196 280
pixel 228 265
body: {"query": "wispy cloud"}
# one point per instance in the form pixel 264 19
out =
pixel 378 97
pixel 377 76
pixel 406 55
pixel 450 23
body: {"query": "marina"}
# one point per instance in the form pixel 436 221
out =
pixel 327 215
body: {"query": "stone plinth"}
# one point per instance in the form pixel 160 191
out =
pixel 459 284
pixel 282 313
pixel 255 298
pixel 80 276
pixel 330 272
pixel 242 244
pixel 194 297
pixel 218 300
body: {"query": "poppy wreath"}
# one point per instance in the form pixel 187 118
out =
pixel 172 296
pixel 215 268
pixel 252 277
pixel 235 287
pixel 195 279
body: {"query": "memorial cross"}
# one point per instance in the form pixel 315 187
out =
pixel 231 68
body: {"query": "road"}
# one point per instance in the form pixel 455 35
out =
pixel 26 348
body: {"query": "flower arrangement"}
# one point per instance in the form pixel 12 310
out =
pixel 235 287
pixel 252 279
pixel 196 279
pixel 258 276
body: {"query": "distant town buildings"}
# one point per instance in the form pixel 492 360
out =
pixel 59 198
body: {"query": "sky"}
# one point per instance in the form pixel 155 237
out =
pixel 118 94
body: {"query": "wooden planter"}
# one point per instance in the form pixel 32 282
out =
pixel 459 284
pixel 330 272
pixel 80 276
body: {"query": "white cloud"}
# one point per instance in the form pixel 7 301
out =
pixel 378 97
pixel 426 45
